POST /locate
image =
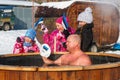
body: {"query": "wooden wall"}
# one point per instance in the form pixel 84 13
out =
pixel 95 74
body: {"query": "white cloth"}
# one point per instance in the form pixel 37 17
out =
pixel 45 50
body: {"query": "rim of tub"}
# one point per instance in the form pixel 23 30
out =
pixel 60 68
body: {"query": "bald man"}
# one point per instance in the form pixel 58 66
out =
pixel 75 56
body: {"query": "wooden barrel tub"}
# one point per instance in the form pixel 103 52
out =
pixel 31 67
pixel 106 23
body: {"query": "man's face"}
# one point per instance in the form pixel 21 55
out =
pixel 70 43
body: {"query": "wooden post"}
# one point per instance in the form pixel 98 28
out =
pixel 55 44
pixel 33 14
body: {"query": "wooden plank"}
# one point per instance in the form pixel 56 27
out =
pixel 14 68
pixel 106 74
pixel 95 74
pixel 103 54
pixel 30 75
pixel 102 66
pixel 119 72
pixel 26 75
pixel 54 75
pixel 68 75
pixel 40 75
pixel 44 75
pixel 7 75
pixel 36 75
pixel 23 75
pixel 82 75
pixel 60 68
pixel 22 54
pixel 2 74
pixel 12 75
pixel 90 53
pixel 115 74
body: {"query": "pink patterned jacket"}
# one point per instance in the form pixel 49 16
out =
pixel 19 48
pixel 60 39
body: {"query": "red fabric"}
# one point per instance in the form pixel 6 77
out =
pixel 59 20
pixel 60 39
pixel 19 48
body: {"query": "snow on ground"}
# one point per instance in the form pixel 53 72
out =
pixel 8 38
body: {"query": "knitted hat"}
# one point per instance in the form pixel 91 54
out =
pixel 31 33
pixel 63 21
pixel 86 15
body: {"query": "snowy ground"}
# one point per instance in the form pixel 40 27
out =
pixel 7 41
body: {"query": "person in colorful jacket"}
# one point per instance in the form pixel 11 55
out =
pixel 57 39
pixel 26 44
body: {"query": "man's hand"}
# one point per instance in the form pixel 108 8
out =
pixel 44 28
pixel 47 61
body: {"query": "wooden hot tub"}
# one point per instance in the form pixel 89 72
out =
pixel 31 67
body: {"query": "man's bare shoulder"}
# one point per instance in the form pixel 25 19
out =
pixel 65 56
pixel 84 59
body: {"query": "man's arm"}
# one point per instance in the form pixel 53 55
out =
pixel 48 61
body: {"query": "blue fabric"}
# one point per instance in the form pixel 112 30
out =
pixel 31 33
pixel 65 22
pixel 45 47
pixel 39 20
pixel 27 44
pixel 116 46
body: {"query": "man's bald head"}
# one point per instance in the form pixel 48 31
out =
pixel 75 38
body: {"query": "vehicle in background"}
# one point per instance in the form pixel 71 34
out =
pixel 7 18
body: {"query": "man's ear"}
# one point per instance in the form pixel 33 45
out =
pixel 77 45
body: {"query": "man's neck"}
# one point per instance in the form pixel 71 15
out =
pixel 76 52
